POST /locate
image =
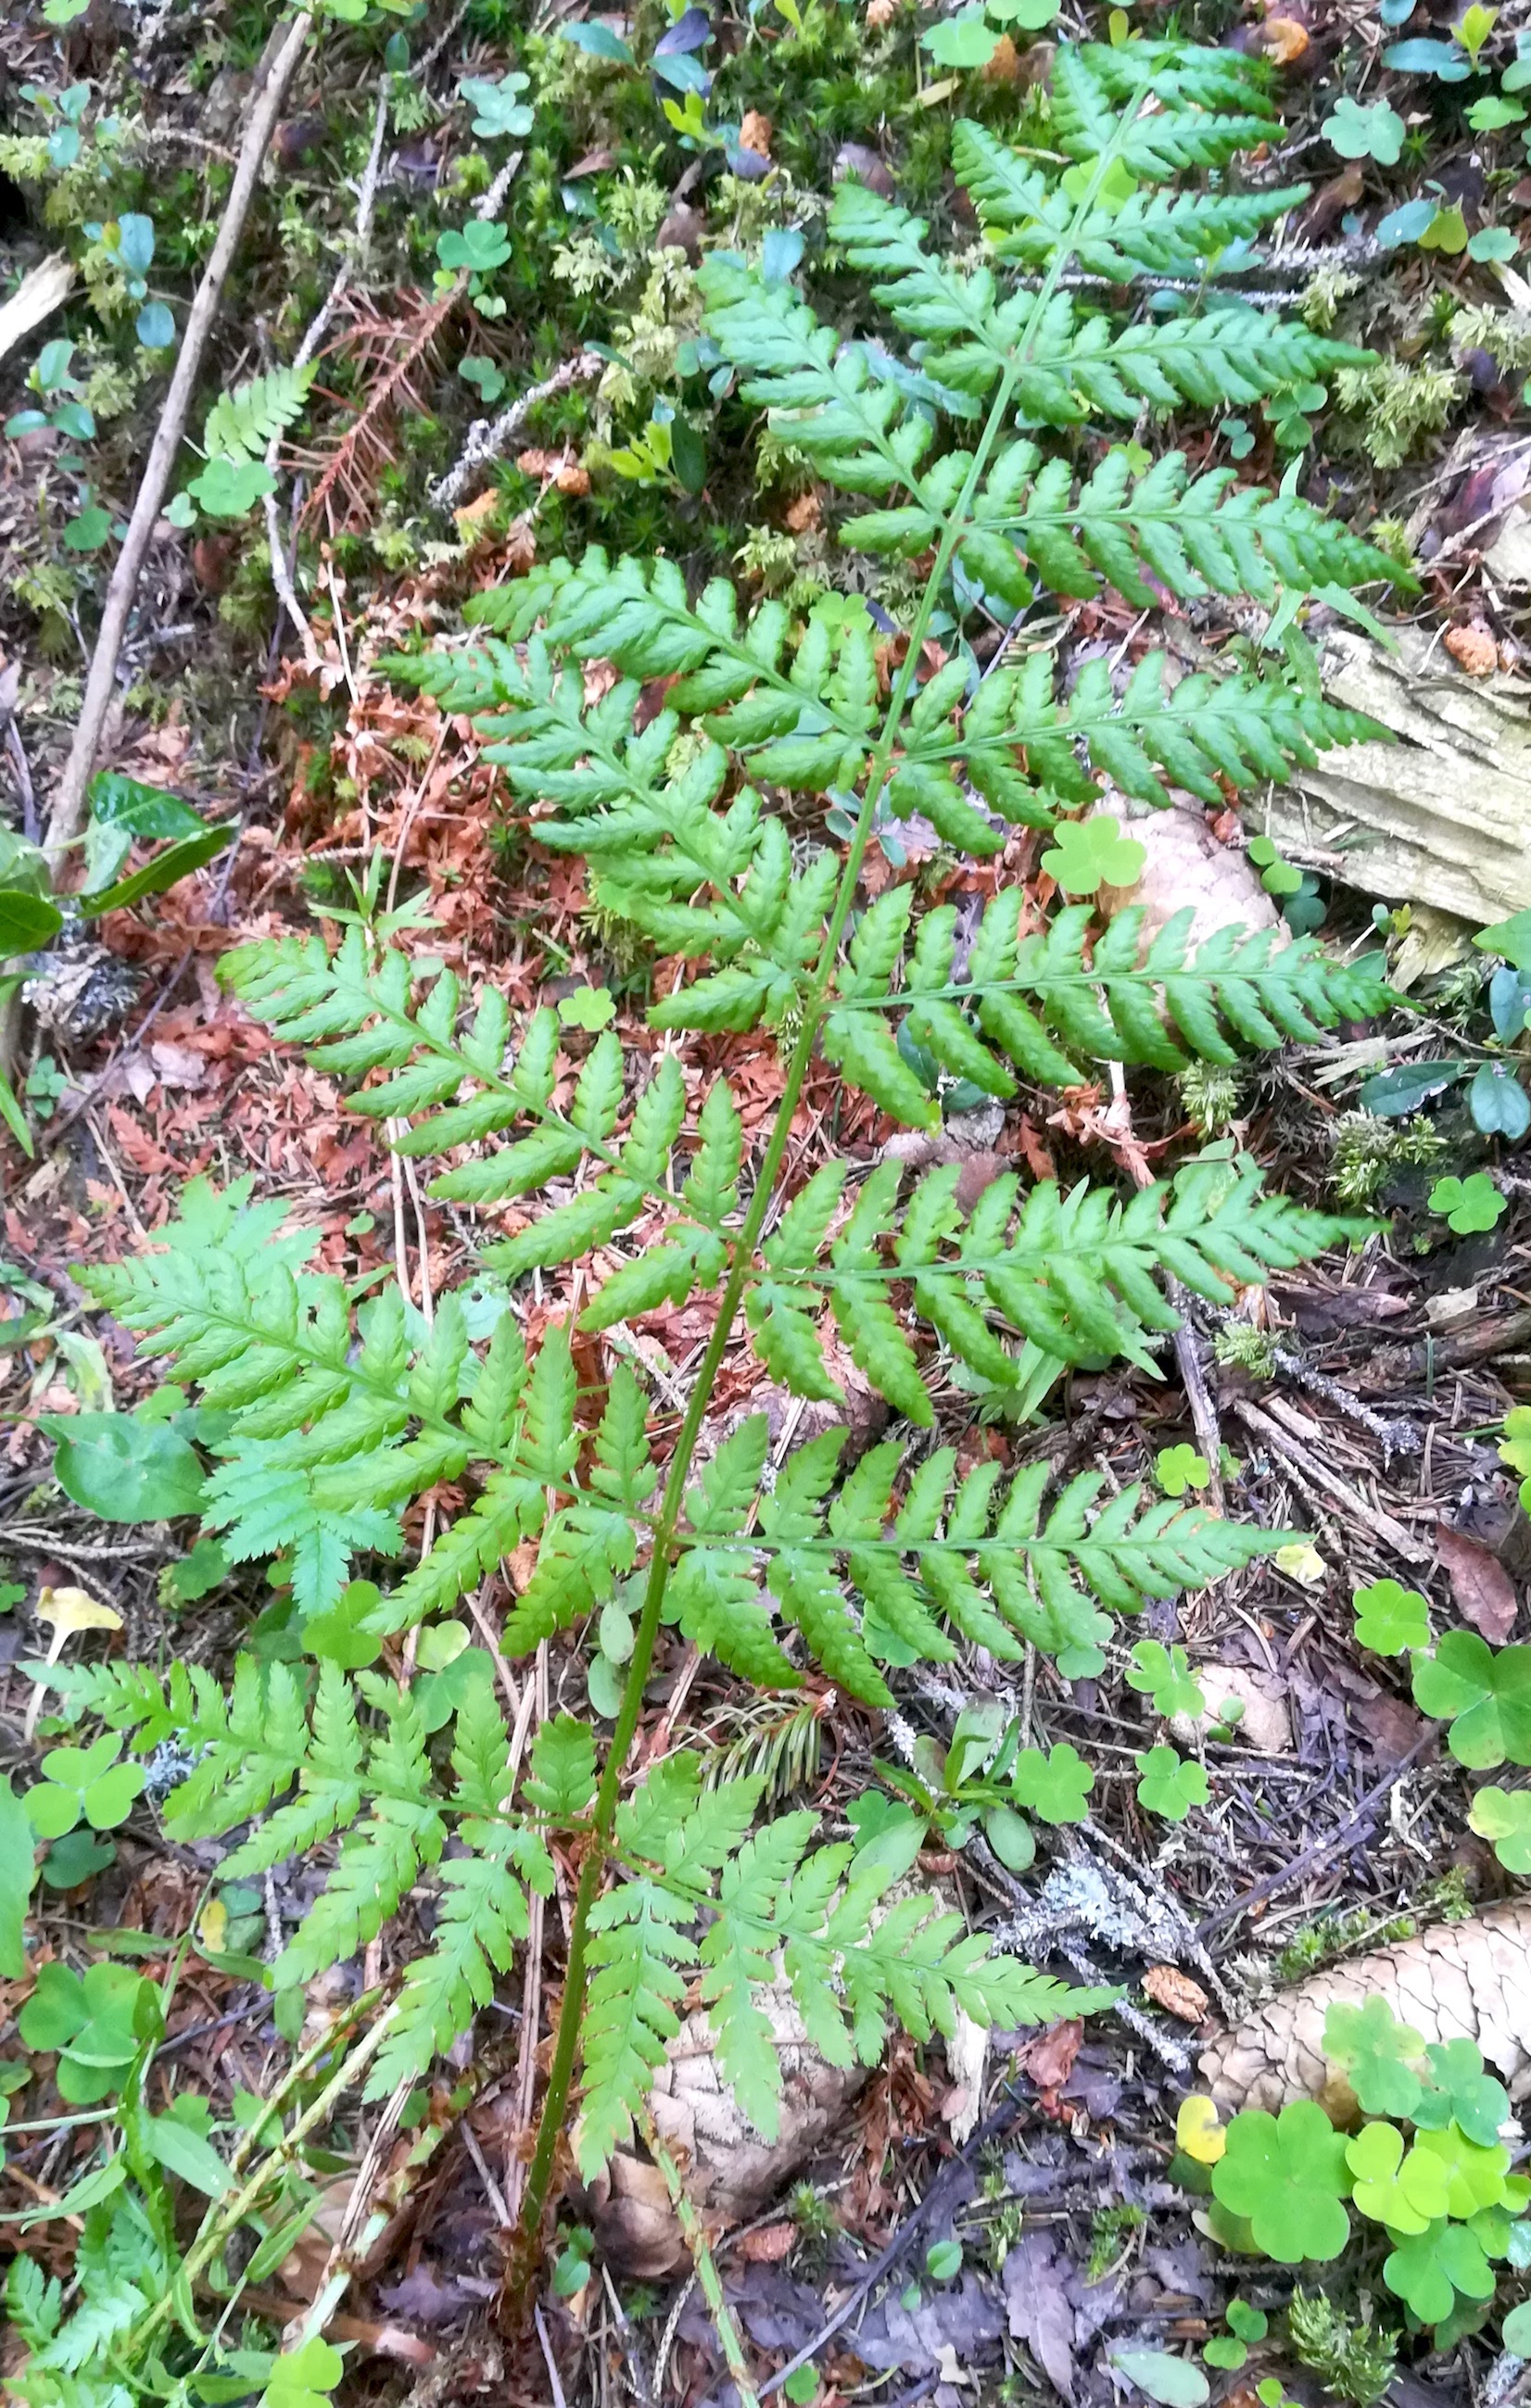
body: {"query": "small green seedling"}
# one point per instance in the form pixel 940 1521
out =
pixel 1278 875
pixel 1470 1204
pixel 1375 133
pixel 943 2259
pixel 571 2266
pixel 1086 854
pixel 1164 1674
pixel 1246 2326
pixel 1389 1619
pixel 63 411
pixel 1179 1467
pixel 1169 1784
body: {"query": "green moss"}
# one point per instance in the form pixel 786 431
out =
pixel 1354 2360
pixel 1394 402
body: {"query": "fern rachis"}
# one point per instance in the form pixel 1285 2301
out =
pixel 336 1414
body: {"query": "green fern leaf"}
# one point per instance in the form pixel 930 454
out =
pixel 635 1984
pixel 738 1954
pixel 242 424
pixel 482 1915
pixel 563 1769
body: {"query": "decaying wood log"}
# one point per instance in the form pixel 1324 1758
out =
pixel 1441 817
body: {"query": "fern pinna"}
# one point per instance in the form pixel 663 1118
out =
pixel 969 442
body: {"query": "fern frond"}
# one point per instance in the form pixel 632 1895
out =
pixel 1078 1275
pixel 328 1437
pixel 852 1957
pixel 637 1947
pixel 482 1915
pixel 1181 234
pixel 1034 1002
pixel 242 424
pixel 1193 535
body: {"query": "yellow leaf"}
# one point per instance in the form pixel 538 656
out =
pixel 1198 2132
pixel 212 1924
pixel 1302 1562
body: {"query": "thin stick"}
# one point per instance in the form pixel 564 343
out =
pixel 69 796
pixel 702 2257
pixel 489 437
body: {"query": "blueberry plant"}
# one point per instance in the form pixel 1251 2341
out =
pixel 963 421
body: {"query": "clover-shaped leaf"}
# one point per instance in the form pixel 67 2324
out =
pixel 86 1781
pixel 1170 1784
pixel 1469 1204
pixel 1245 2325
pixel 1225 2350
pixel 94 2025
pixel 1474 2175
pixel 1487 1696
pixel 1179 1467
pixel 964 40
pixel 1375 133
pixel 1276 874
pixel 1405 2193
pixel 496 109
pixel 226 487
pixel 1428 2268
pixel 1515 2333
pixel 1463 2093
pixel 1391 1619
pixel 1054 1787
pixel 1087 853
pixel 476 246
pixel 1504 1816
pixel 1286 2175
pixel 1165 1675
pixel 1378 2054
pixel 589 1007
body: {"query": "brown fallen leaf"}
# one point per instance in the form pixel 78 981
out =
pixel 1473 649
pixel 1482 1589
pixel 1175 1992
pixel 1457 1980
pixel 769 2245
pixel 1050 2058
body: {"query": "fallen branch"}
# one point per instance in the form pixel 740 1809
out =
pixel 487 439
pixel 355 252
pixel 69 797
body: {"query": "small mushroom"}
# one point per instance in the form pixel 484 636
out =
pixel 68 1610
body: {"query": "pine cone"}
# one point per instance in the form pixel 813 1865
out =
pixel 1459 1981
